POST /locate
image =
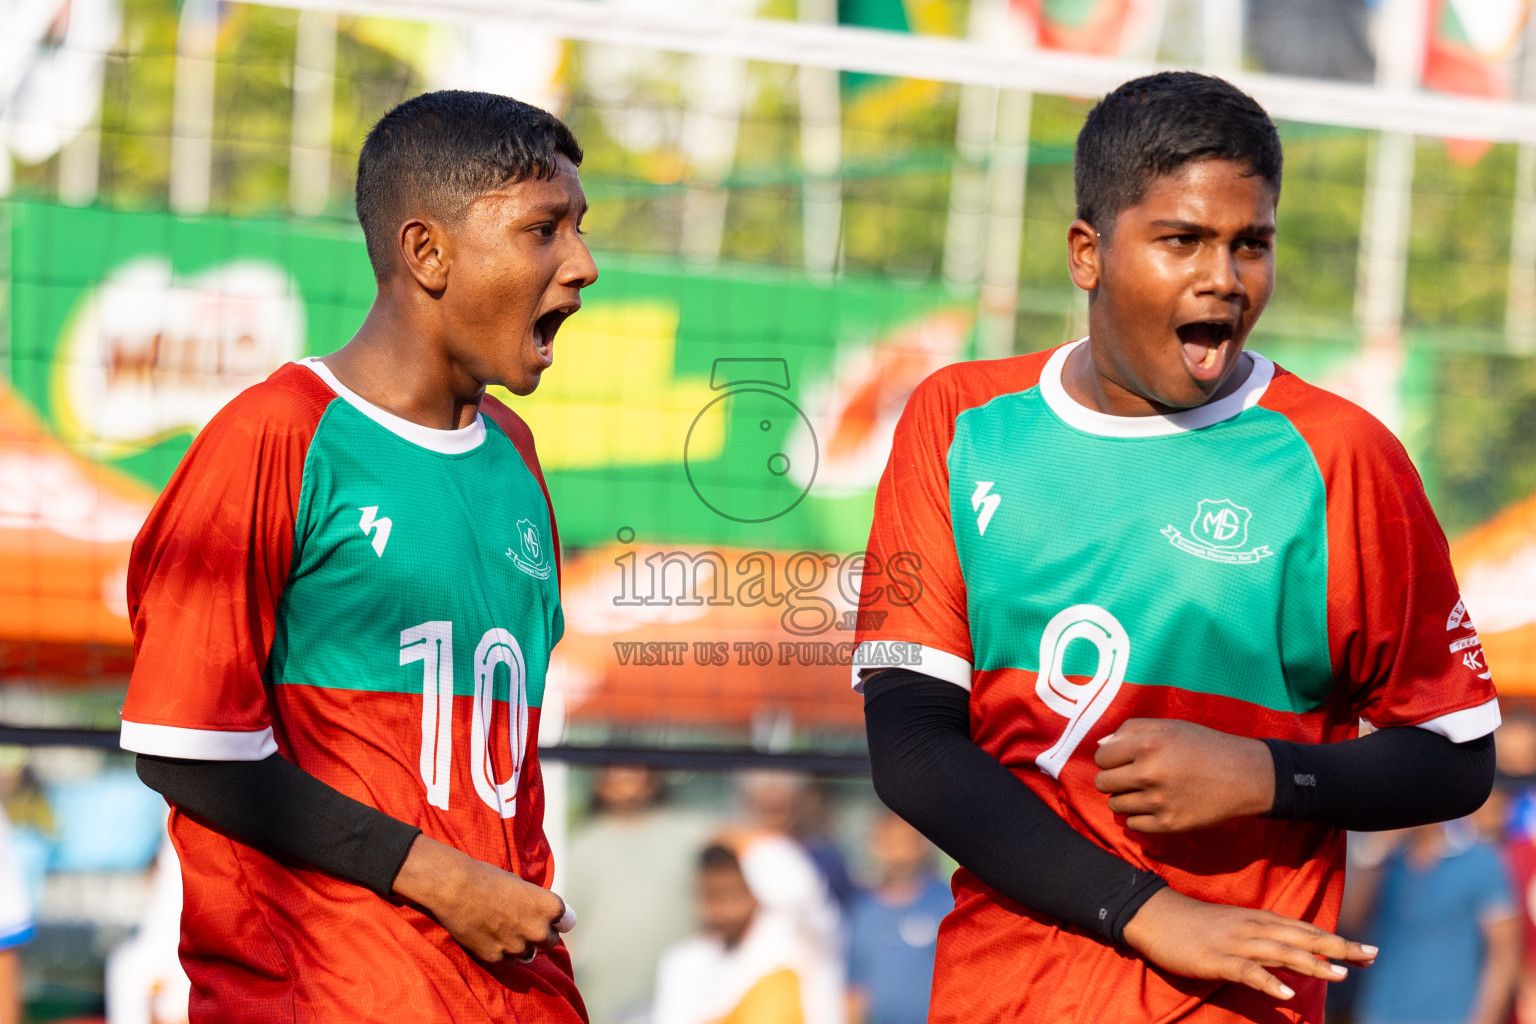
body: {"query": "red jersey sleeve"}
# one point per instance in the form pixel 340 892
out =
pixel 1399 635
pixel 912 610
pixel 206 574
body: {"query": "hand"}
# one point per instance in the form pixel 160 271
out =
pixel 488 911
pixel 1207 940
pixel 1170 776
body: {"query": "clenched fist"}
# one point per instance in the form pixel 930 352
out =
pixel 490 912
pixel 1171 776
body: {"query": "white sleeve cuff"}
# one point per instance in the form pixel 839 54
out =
pixel 197 744
pixel 878 655
pixel 1467 724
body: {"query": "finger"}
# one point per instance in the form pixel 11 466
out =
pixel 1121 779
pixel 1314 940
pixel 1273 953
pixel 1115 750
pixel 1148 823
pixel 1361 954
pixel 1136 802
pixel 1246 972
pixel 567 918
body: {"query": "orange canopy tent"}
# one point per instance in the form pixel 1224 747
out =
pixel 66 526
pixel 635 654
pixel 1496 565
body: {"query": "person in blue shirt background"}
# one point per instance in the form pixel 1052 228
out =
pixel 1437 900
pixel 893 928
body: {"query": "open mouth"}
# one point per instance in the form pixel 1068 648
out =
pixel 1207 345
pixel 545 328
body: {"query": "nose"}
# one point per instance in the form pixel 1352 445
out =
pixel 579 269
pixel 1220 275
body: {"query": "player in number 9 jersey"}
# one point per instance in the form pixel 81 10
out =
pixel 374 599
pixel 1250 555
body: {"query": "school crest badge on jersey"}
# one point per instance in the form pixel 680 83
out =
pixel 530 555
pixel 1218 533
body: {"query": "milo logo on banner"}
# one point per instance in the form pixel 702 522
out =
pixel 149 354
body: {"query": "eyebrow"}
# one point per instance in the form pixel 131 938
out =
pixel 558 207
pixel 1202 231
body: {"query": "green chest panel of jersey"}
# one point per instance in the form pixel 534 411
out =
pixel 405 555
pixel 1208 548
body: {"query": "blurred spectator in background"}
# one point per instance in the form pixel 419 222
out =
pixel 1437 900
pixel 1515 743
pixel 893 929
pixel 629 872
pixel 145 980
pixel 17 925
pixel 792 805
pixel 1514 806
pixel 758 959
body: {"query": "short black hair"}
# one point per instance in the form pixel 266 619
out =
pixel 719 857
pixel 1154 125
pixel 440 150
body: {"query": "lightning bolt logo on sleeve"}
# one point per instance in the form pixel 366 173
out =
pixel 378 527
pixel 985 503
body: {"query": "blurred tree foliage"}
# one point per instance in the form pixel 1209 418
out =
pixel 898 157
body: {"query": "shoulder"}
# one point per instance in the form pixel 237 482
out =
pixel 1332 426
pixel 290 402
pixel 965 385
pixel 943 395
pixel 1482 860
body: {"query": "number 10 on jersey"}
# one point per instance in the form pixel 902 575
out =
pixel 431 643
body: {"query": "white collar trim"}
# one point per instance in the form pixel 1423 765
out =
pixel 1091 421
pixel 446 442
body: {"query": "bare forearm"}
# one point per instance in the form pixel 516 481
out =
pixel 1501 968
pixel 10 987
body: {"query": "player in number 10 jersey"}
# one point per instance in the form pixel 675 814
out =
pixel 354 571
pixel 1144 553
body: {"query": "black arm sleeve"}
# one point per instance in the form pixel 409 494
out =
pixel 280 809
pixel 927 770
pixel 1393 778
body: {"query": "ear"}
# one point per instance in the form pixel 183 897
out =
pixel 424 252
pixel 1084 251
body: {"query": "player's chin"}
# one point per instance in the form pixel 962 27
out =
pixel 1178 392
pixel 526 381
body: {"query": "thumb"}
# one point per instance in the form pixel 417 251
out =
pixel 567 919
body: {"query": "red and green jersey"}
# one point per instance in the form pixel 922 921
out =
pixel 376 601
pixel 1266 565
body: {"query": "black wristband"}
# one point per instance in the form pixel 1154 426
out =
pixel 1397 777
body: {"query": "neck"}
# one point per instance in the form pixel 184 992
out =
pixel 901 887
pixel 1083 380
pixel 399 361
pixel 1426 845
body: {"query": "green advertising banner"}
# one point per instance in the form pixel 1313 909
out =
pixel 684 406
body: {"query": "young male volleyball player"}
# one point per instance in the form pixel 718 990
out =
pixel 1162 580
pixel 343 608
